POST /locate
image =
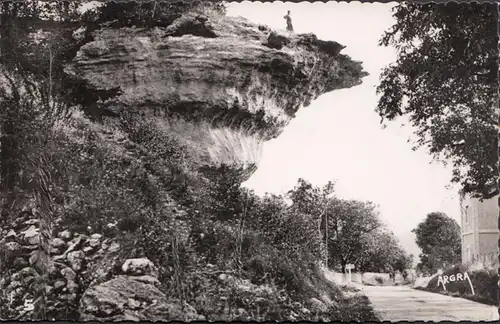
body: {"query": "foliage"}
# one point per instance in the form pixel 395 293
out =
pixel 445 81
pixel 438 236
pixel 351 224
pixel 381 252
pixel 151 13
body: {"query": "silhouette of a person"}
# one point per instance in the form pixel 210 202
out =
pixel 289 26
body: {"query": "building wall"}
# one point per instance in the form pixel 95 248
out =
pixel 469 214
pixel 488 214
pixel 479 230
pixel 467 242
pixel 488 247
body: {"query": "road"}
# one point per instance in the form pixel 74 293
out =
pixel 400 303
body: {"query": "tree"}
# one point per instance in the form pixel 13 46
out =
pixel 350 222
pixel 313 202
pixel 445 81
pixel 438 236
pixel 382 251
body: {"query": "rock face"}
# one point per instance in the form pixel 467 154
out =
pixel 222 85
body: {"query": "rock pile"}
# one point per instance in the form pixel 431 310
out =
pixel 133 296
pixel 80 283
pixel 76 261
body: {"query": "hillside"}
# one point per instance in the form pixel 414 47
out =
pixel 128 205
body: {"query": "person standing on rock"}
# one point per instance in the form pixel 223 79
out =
pixel 289 26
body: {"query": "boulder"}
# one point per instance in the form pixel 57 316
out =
pixel 72 287
pixel 148 279
pixel 31 235
pixel 34 258
pixel 59 284
pixel 114 247
pixel 13 286
pixel 13 249
pixel 20 263
pixel 11 235
pixel 79 34
pixel 68 274
pixel 75 259
pixel 33 221
pixel 276 41
pixel 94 243
pixel 65 235
pixel 31 247
pixel 49 290
pixel 317 306
pixel 28 272
pixel 139 267
pixel 58 243
pixel 126 298
pixel 305 311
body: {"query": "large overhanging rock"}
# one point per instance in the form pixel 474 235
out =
pixel 222 85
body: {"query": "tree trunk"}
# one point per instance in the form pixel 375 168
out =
pixel 8 170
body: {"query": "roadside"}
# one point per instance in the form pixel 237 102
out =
pixel 355 305
pixel 402 303
pixel 483 280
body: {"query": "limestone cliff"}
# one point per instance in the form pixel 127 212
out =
pixel 222 85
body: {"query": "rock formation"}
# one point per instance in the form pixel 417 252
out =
pixel 222 85
pixel 133 297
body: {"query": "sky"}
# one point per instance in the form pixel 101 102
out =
pixel 339 136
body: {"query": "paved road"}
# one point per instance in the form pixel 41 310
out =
pixel 399 303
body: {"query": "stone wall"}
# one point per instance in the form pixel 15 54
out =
pixel 76 262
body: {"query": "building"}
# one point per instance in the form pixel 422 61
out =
pixel 480 232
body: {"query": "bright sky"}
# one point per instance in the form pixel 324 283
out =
pixel 339 135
